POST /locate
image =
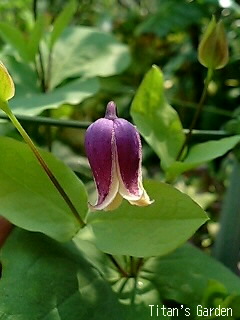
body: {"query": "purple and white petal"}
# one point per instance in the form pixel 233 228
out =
pixel 129 156
pixel 100 149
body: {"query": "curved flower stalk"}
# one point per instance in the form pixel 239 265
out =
pixel 114 151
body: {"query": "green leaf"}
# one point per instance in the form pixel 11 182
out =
pixel 14 37
pixel 28 198
pixel 148 231
pixel 84 51
pixel 156 120
pixel 73 93
pixel 44 280
pixel 35 37
pixel 29 99
pixel 62 21
pixel 183 276
pixel 201 153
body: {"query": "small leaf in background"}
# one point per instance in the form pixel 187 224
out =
pixel 35 36
pixel 29 199
pixel 14 37
pixel 62 21
pixel 202 152
pixel 86 52
pixel 155 119
pixel 154 230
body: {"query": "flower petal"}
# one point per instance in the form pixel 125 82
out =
pixel 129 156
pixel 101 153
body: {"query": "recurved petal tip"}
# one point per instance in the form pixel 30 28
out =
pixel 144 201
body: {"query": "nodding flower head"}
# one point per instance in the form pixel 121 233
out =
pixel 114 151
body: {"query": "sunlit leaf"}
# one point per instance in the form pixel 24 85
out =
pixel 148 231
pixel 156 120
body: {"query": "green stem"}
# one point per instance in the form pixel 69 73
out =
pixel 41 161
pixel 118 266
pixel 85 124
pixel 197 113
pixel 50 121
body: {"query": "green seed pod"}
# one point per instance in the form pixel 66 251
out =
pixel 213 47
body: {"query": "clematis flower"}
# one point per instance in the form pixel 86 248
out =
pixel 114 151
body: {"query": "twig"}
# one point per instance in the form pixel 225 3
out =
pixel 197 113
pixel 117 265
pixel 84 125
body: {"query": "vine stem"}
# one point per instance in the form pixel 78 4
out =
pixel 197 113
pixel 41 161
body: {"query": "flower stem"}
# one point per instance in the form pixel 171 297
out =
pixel 41 161
pixel 118 266
pixel 197 113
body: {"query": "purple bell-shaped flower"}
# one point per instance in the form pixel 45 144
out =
pixel 114 151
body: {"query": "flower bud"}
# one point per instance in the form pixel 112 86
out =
pixel 114 151
pixel 213 47
pixel 7 89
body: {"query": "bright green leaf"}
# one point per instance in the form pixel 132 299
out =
pixel 84 51
pixel 156 120
pixel 148 231
pixel 62 21
pixel 203 152
pixel 28 198
pixel 14 37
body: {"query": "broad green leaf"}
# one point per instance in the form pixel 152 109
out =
pixel 84 51
pixel 14 37
pixel 155 119
pixel 44 280
pixel 203 152
pixel 73 92
pixel 184 275
pixel 7 89
pixel 28 198
pixel 30 100
pixel 35 37
pixel 148 231
pixel 62 21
